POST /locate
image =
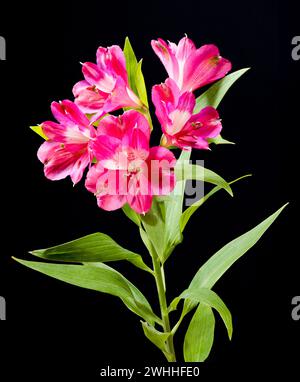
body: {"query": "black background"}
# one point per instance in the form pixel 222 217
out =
pixel 54 328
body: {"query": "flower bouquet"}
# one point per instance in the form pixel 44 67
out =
pixel 106 130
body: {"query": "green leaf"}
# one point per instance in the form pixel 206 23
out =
pixel 131 64
pixel 99 277
pixel 38 130
pixel 210 298
pixel 199 337
pixel 161 224
pixel 154 228
pixel 214 95
pixel 97 247
pixel 173 207
pixel 156 337
pixel 185 217
pixel 146 241
pixel 218 264
pixel 219 140
pixel 185 171
pixel 140 84
pixel 132 215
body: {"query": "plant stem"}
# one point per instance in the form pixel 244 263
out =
pixel 158 274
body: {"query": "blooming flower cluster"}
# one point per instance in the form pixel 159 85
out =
pixel 122 167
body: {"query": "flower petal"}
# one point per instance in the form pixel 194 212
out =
pixel 104 148
pixel 68 114
pixel 185 48
pixel 164 100
pixel 111 202
pixel 134 119
pixel 203 67
pixel 140 203
pixel 166 53
pixel 108 186
pixel 94 173
pixel 121 96
pixel 161 163
pixel 183 112
pixel 79 166
pixel 112 59
pixel 63 160
pixel 111 126
pixel 98 77
pixel 88 98
pixel 209 123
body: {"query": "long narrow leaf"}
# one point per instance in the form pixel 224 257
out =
pixel 187 171
pixel 96 247
pixel 101 278
pixel 214 95
pixel 156 337
pixel 140 84
pixel 199 337
pixel 131 64
pixel 187 214
pixel 221 261
pixel 208 297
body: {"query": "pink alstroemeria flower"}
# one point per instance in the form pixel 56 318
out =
pixel 181 128
pixel 66 152
pixel 189 67
pixel 128 170
pixel 106 87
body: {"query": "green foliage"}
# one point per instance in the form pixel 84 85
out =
pixel 199 337
pixel 39 131
pixel 97 247
pixel 99 277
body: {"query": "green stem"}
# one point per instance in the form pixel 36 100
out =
pixel 159 278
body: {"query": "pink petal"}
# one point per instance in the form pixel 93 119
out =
pixel 67 113
pixel 203 67
pixel 46 150
pixel 63 160
pixel 94 173
pixel 165 97
pixel 166 54
pixel 54 131
pixel 111 202
pixel 185 48
pixel 180 116
pixel 79 167
pixel 97 77
pixel 104 148
pixel 88 98
pixel 74 113
pixel 111 126
pixel 140 203
pixel 210 125
pixel 161 163
pixel 159 93
pixel 112 59
pixel 201 144
pixel 137 140
pixel 134 119
pixel 70 133
pixel 120 97
pixel 109 187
